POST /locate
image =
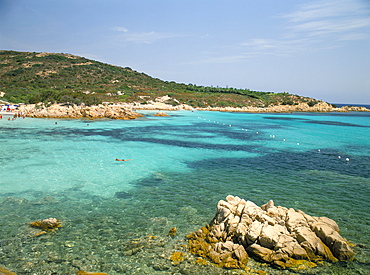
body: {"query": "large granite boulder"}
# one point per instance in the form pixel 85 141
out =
pixel 269 233
pixel 74 111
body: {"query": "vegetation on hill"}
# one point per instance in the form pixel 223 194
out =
pixel 30 77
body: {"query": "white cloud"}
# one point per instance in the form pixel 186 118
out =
pixel 320 9
pixel 147 37
pixel 318 26
pixel 217 60
pixel 330 18
pixel 354 36
pixel 142 37
pixel 277 47
pixel 120 29
pixel 260 44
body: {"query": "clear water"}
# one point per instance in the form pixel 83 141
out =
pixel 116 215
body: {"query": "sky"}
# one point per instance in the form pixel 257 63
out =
pixel 318 48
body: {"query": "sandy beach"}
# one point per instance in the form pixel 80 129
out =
pixel 8 113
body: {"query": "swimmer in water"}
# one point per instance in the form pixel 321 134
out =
pixel 123 159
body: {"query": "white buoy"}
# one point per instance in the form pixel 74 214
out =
pixel 284 139
pixel 298 143
pixel 347 159
pixel 256 132
pixel 319 150
pixel 339 157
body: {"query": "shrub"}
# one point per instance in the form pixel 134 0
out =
pixel 288 102
pixel 312 103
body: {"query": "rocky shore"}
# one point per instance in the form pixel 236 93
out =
pixel 301 107
pixel 321 106
pixel 74 111
pixel 286 238
pixel 125 110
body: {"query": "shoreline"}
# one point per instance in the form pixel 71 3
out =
pixel 129 110
pixel 302 107
pixel 8 113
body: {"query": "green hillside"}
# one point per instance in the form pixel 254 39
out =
pixel 30 77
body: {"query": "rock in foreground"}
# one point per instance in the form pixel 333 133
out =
pixel 47 224
pixel 273 234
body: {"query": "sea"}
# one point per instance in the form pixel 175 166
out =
pixel 116 215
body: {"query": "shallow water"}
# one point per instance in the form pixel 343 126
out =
pixel 116 215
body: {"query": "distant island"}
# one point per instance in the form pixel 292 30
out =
pixel 45 79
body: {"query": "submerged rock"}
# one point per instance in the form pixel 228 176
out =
pixel 4 271
pixel 177 257
pixel 284 237
pixel 160 114
pixel 122 195
pixel 172 232
pixel 47 224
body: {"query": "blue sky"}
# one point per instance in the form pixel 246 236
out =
pixel 318 48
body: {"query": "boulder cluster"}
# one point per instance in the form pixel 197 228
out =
pixel 301 107
pixel 74 111
pixel 273 234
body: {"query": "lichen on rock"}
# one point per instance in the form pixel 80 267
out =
pixel 286 238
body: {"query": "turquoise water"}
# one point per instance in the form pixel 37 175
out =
pixel 116 215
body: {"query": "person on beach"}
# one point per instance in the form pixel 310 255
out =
pixel 123 159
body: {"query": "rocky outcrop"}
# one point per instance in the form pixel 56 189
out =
pixel 352 109
pixel 273 234
pixel 74 111
pixel 301 107
pixel 124 110
pixel 160 114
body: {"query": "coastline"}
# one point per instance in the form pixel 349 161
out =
pixel 74 111
pixel 128 110
pixel 302 107
pixel 8 113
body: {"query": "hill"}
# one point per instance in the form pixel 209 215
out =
pixel 30 77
